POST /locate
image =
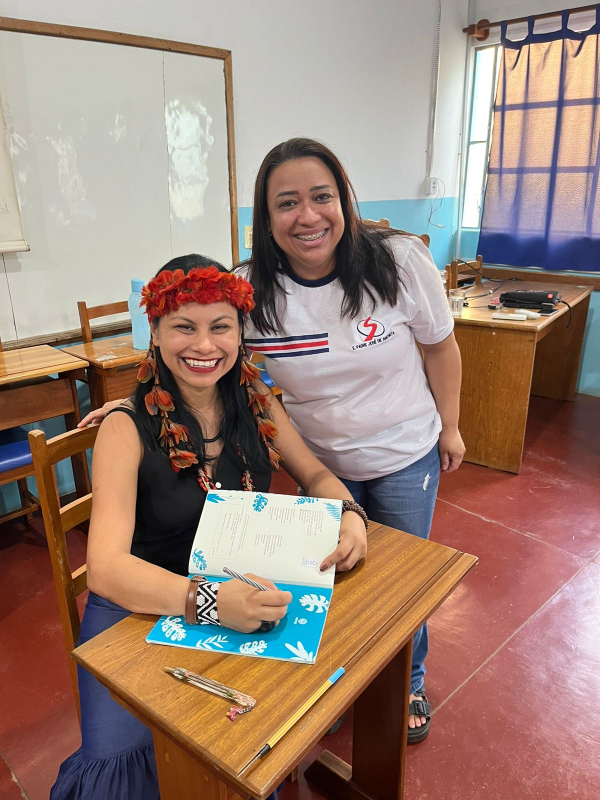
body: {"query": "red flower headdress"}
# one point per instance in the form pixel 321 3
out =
pixel 170 290
pixel 166 293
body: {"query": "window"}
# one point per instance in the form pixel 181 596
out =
pixel 485 79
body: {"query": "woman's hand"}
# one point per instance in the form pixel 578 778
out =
pixel 244 608
pixel 96 416
pixel 452 449
pixel 352 545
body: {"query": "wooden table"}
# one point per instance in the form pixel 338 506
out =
pixel 505 362
pixel 28 393
pixel 374 612
pixel 112 367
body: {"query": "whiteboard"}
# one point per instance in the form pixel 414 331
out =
pixel 120 160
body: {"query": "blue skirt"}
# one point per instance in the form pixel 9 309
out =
pixel 116 757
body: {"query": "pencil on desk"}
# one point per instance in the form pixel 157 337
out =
pixel 279 734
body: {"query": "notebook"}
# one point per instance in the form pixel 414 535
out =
pixel 280 537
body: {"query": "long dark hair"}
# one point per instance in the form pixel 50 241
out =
pixel 365 265
pixel 238 428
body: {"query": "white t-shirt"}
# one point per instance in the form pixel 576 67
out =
pixel 355 388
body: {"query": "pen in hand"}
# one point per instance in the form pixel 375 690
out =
pixel 265 626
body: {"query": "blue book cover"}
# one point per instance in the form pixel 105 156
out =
pixel 279 537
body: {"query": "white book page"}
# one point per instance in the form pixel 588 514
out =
pixel 279 537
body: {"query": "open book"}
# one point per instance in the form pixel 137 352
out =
pixel 280 537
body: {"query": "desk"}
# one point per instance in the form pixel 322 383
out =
pixel 505 362
pixel 112 367
pixel 28 393
pixel 374 612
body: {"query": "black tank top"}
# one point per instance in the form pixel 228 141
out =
pixel 169 503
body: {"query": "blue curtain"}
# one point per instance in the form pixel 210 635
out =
pixel 542 200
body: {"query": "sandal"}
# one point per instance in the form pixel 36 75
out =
pixel 420 708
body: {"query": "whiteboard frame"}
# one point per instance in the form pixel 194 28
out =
pixel 148 42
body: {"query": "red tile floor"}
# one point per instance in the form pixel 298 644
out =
pixel 514 668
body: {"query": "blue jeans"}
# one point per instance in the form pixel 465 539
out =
pixel 405 500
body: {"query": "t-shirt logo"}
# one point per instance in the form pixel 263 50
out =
pixel 370 328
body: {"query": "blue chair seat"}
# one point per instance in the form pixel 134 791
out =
pixel 14 449
pixel 264 375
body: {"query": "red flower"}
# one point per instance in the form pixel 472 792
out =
pixel 151 406
pixel 163 399
pixel 146 370
pixel 178 432
pixel 266 428
pixel 181 459
pixel 158 398
pixel 169 290
pixel 274 457
pixel 248 372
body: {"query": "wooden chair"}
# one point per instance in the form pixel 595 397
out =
pixel 385 223
pixel 452 271
pixel 86 314
pixel 57 522
pixel 16 467
pixel 377 223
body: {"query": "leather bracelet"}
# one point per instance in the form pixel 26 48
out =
pixel 190 600
pixel 350 505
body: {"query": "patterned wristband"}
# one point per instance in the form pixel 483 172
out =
pixel 206 603
pixel 350 505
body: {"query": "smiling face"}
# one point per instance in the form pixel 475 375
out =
pixel 305 214
pixel 199 344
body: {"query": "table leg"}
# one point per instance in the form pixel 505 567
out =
pixel 97 387
pixel 79 462
pixel 181 776
pixel 494 396
pixel 379 740
pixel 558 355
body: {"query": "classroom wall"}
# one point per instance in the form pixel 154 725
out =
pixel 356 75
pixel 330 69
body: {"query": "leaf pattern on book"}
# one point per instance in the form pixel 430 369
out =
pixel 198 559
pixel 314 602
pixel 252 648
pixel 260 502
pixel 335 511
pixel 214 498
pixel 173 629
pixel 300 653
pixel 301 500
pixel 212 641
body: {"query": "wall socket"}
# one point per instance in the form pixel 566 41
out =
pixel 431 185
pixel 248 237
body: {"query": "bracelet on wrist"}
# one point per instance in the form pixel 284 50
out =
pixel 350 505
pixel 206 603
pixel 190 599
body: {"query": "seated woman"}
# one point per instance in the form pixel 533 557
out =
pixel 198 419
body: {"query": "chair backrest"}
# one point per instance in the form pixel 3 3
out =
pixel 385 223
pixel 471 268
pixel 86 314
pixel 377 223
pixel 58 521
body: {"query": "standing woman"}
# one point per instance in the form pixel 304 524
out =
pixel 355 329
